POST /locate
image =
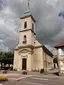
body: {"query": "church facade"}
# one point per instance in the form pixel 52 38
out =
pixel 29 54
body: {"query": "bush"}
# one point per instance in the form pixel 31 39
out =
pixel 45 73
pixel 42 71
pixel 5 68
pixel 35 70
pixel 14 69
pixel 24 72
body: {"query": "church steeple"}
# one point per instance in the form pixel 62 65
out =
pixel 28 13
pixel 27 31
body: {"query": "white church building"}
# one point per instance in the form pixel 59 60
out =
pixel 60 56
pixel 29 54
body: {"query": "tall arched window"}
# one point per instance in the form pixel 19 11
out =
pixel 25 24
pixel 24 39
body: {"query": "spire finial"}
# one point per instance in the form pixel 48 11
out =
pixel 28 4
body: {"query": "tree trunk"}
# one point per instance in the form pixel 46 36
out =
pixel 1 66
pixel 9 65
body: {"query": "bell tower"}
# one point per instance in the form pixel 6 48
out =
pixel 27 30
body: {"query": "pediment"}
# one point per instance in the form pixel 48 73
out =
pixel 25 51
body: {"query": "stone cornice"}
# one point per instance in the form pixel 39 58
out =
pixel 27 17
pixel 28 46
pixel 35 47
pixel 28 30
pixel 16 49
pixel 25 51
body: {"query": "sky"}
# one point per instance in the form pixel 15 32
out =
pixel 49 26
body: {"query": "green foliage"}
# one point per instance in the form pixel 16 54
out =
pixel 42 71
pixel 55 60
pixel 35 70
pixel 14 69
pixel 6 58
pixel 24 72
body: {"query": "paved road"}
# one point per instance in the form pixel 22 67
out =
pixel 34 80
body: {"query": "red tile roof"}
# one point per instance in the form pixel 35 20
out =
pixel 60 45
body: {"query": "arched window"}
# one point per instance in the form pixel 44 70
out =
pixel 24 36
pixel 24 39
pixel 25 24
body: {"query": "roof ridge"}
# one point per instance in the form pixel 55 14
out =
pixel 60 44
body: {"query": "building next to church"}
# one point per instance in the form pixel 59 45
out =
pixel 60 56
pixel 29 54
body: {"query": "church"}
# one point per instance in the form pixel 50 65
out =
pixel 29 54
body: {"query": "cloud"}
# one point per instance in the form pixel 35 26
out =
pixel 49 26
pixel 53 50
pixel 8 29
pixel 3 48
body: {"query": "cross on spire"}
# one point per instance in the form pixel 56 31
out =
pixel 28 4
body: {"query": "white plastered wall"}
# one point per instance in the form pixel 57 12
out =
pixel 15 66
pixel 38 58
pixel 30 35
pixel 29 38
pixel 61 59
pixel 28 63
pixel 29 23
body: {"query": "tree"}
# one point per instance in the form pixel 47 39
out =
pixel 55 61
pixel 1 53
pixel 6 58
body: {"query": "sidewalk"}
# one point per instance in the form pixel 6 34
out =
pixel 37 74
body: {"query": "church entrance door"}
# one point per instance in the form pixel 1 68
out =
pixel 24 61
